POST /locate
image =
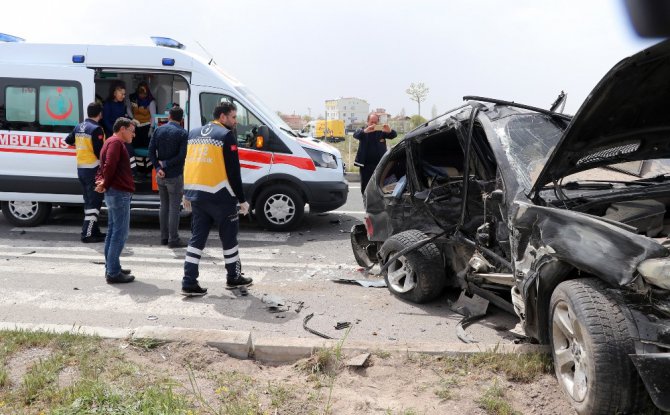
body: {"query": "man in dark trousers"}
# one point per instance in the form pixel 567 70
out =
pixel 371 147
pixel 167 151
pixel 88 138
pixel 213 186
pixel 115 179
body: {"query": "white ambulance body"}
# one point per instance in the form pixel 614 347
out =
pixel 44 92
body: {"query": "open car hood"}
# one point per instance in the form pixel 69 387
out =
pixel 625 118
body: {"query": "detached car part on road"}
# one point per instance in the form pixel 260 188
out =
pixel 562 220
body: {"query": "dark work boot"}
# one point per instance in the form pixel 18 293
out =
pixel 193 290
pixel 93 239
pixel 240 281
pixel 120 279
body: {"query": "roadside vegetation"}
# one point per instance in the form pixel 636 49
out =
pixel 45 373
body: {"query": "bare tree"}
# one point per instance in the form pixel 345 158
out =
pixel 417 92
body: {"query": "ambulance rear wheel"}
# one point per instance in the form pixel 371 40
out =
pixel 24 213
pixel 279 208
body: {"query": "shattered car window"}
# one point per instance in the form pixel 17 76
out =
pixel 528 139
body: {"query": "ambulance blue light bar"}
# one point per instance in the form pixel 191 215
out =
pixel 78 58
pixel 9 38
pixel 168 62
pixel 167 42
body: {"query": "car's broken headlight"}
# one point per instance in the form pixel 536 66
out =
pixel 656 271
pixel 322 159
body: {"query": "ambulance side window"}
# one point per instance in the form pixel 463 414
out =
pixel 247 122
pixel 40 105
pixel 20 102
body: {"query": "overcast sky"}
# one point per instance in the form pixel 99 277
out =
pixel 295 54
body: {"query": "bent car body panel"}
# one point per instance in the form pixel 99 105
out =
pixel 583 241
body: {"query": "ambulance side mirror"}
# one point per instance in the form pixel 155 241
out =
pixel 262 137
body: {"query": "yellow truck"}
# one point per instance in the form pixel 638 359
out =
pixel 335 131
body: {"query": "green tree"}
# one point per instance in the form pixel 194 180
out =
pixel 418 93
pixel 416 120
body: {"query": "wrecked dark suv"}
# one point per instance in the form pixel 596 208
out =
pixel 563 221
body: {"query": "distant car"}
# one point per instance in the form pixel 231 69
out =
pixel 561 220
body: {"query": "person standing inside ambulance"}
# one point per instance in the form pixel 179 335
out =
pixel 88 137
pixel 116 107
pixel 143 106
pixel 213 186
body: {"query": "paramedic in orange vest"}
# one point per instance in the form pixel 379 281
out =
pixel 213 186
pixel 88 138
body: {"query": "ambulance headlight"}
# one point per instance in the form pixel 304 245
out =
pixel 321 158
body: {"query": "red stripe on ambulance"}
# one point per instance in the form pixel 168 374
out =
pixel 276 158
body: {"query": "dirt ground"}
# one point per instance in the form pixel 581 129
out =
pixel 391 384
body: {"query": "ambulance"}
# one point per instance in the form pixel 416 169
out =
pixel 44 92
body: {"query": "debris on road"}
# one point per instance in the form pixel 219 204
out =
pixel 318 333
pixel 275 304
pixel 359 361
pixel 152 317
pixel 301 304
pixel 342 325
pixel 365 283
pixel 472 309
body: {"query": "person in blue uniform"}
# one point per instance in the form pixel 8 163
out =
pixel 213 186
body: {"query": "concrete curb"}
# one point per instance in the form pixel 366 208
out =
pixel 274 350
pixel 234 343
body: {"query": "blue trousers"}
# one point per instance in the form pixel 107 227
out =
pixel 118 225
pixel 92 202
pixel 226 215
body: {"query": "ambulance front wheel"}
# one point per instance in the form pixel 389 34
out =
pixel 279 208
pixel 23 213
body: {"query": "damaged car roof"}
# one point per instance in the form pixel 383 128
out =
pixel 625 118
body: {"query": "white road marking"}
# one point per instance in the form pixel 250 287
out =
pixel 349 212
pixel 354 187
pixel 157 252
pixel 108 298
pixel 272 262
pixel 243 236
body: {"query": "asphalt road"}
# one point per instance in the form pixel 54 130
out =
pixel 48 276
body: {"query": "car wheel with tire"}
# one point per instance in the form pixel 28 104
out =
pixel 24 213
pixel 279 208
pixel 419 275
pixel 590 343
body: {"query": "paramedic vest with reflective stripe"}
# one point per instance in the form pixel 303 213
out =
pixel 205 175
pixel 83 141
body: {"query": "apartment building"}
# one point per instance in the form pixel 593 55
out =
pixel 354 111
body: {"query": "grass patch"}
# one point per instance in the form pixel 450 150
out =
pixel 103 382
pixel 382 354
pixel 236 394
pixel 4 376
pixel 41 378
pixel 445 391
pixel 493 401
pixel 524 368
pixel 146 344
